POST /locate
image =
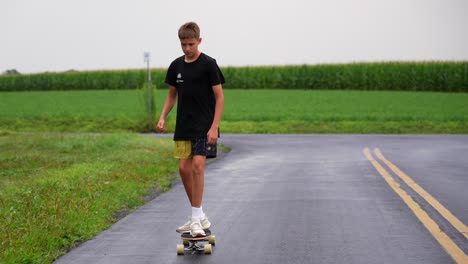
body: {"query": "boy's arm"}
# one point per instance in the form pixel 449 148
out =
pixel 170 101
pixel 219 97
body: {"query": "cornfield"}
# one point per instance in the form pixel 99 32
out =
pixel 396 76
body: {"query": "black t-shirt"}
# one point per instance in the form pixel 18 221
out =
pixel 194 82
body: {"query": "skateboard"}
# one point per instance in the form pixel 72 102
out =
pixel 199 244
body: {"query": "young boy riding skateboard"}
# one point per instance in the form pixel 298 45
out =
pixel 195 80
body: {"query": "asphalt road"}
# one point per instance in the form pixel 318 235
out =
pixel 309 199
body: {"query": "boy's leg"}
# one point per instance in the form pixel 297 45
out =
pixel 183 152
pixel 199 219
pixel 185 170
pixel 201 151
pixel 192 172
pixel 198 177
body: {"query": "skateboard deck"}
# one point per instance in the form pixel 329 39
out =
pixel 199 244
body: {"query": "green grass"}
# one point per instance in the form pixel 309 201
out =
pixel 246 111
pixel 284 111
pixel 57 190
pixel 80 111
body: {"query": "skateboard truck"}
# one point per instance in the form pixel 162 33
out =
pixel 196 244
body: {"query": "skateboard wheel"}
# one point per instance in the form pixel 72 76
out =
pixel 212 240
pixel 186 243
pixel 208 249
pixel 180 249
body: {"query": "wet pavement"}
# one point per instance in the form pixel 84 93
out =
pixel 306 199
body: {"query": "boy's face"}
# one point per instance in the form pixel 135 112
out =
pixel 190 47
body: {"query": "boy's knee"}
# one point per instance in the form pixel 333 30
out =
pixel 184 170
pixel 197 169
pixel 198 166
pixel 185 167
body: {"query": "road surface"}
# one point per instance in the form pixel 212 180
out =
pixel 311 199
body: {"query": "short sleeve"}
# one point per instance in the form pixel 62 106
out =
pixel 216 76
pixel 171 75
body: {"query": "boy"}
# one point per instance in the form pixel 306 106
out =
pixel 195 80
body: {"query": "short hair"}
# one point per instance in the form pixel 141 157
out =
pixel 189 30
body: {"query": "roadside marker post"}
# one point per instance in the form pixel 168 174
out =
pixel 146 56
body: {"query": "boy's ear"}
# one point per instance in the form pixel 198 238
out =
pixel 199 40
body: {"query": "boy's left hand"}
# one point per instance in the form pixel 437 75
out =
pixel 212 136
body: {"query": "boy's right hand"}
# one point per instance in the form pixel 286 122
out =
pixel 160 126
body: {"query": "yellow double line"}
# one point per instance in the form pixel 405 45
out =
pixel 451 247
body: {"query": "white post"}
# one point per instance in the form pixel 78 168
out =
pixel 147 60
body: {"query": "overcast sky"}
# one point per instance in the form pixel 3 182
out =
pixel 59 35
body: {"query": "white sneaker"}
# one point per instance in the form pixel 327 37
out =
pixel 185 228
pixel 196 229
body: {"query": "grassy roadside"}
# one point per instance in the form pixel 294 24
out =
pixel 58 190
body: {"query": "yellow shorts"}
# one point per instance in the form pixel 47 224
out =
pixel 186 149
pixel 183 149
